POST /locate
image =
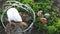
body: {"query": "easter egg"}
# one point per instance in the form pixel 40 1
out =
pixel 43 20
pixel 39 13
pixel 47 15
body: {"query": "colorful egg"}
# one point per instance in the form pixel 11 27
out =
pixel 23 24
pixel 39 13
pixel 47 15
pixel 43 20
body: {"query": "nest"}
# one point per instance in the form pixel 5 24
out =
pixel 17 26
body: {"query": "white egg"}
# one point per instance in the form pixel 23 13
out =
pixel 13 14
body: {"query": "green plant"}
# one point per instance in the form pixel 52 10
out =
pixel 53 25
pixel 46 7
pixel 51 29
pixel 0 16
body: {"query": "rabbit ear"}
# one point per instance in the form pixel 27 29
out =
pixel 13 14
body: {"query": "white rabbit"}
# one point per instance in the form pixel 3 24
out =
pixel 13 14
